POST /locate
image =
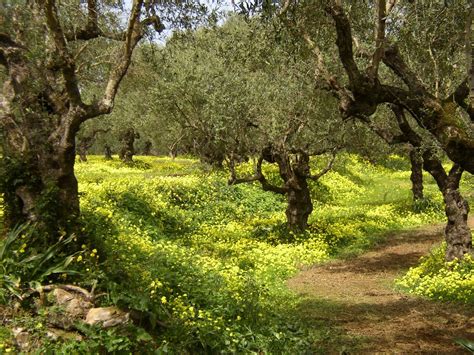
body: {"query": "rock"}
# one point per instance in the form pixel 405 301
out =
pixel 22 338
pixel 107 316
pixel 74 304
pixel 62 297
pixel 61 320
pixel 56 334
pixel 78 308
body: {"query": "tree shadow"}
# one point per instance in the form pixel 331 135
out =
pixel 405 325
pixel 376 264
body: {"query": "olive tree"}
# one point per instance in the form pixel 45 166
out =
pixel 240 92
pixel 45 52
pixel 384 62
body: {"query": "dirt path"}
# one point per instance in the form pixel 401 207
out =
pixel 356 297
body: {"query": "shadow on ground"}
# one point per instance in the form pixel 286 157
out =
pixel 356 299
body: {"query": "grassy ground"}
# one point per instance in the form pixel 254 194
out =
pixel 167 223
pixel 209 262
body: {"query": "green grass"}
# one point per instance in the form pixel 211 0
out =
pixel 211 261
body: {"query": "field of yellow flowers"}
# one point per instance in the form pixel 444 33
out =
pixel 209 261
pixel 205 265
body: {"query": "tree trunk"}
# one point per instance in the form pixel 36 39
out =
pixel 299 206
pixel 107 152
pixel 82 153
pixel 40 186
pixel 470 51
pixel 457 232
pixel 41 110
pixel 416 176
pixel 147 148
pixel 128 150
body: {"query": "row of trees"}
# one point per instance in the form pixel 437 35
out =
pixel 307 78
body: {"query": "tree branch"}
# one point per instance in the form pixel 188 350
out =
pixel 321 70
pixel 344 42
pixel 390 5
pixel 459 96
pixel 92 30
pixel 284 9
pixel 470 51
pixel 413 138
pixel 8 47
pixel 394 61
pixel 431 162
pixel 373 68
pixel 258 176
pixel 387 136
pixel 66 64
pixel 454 176
pixel 326 169
pixel 134 33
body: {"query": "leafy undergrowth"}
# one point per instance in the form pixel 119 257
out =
pixel 205 264
pixel 434 278
pixel 208 262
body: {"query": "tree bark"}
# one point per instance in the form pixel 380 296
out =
pixel 107 152
pixel 147 148
pixel 457 233
pixel 82 152
pixel 128 150
pixel 40 186
pixel 361 97
pixel 85 143
pixel 299 206
pixel 295 172
pixel 470 51
pixel 416 175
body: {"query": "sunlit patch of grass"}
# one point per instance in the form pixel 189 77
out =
pixel 211 260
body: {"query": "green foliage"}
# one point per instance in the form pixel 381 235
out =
pixel 210 260
pixel 466 344
pixel 23 268
pixel 18 172
pixel 117 340
pixel 426 204
pixel 437 279
pixel 6 339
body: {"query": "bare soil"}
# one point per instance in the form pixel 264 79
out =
pixel 357 298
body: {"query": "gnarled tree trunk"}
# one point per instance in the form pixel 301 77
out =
pixel 416 175
pixel 295 171
pixel 85 143
pixel 128 140
pixel 41 110
pixel 40 186
pixel 147 148
pixel 457 232
pixel 299 207
pixel 82 155
pixel 107 152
